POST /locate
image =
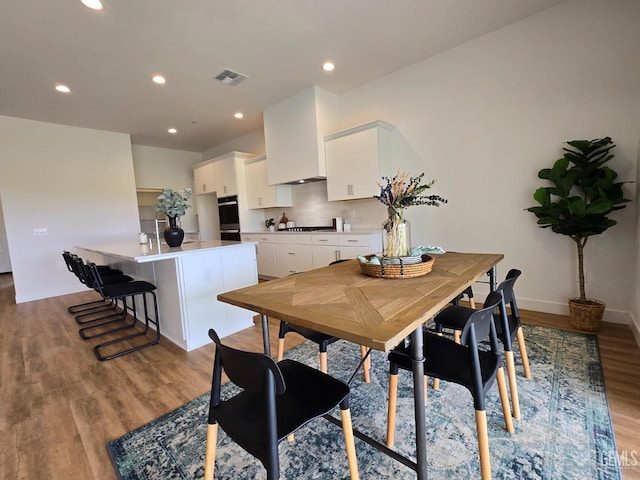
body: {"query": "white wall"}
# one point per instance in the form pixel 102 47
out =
pixel 163 167
pixel 76 182
pixel 252 142
pixel 483 118
pixel 159 168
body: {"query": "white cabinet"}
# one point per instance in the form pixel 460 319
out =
pixel 225 177
pixel 284 253
pixel 293 253
pixel 259 193
pixel 356 159
pixel 327 248
pixel 294 130
pixel 265 253
pixel 217 175
pixel 204 178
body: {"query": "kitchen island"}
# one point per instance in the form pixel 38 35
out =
pixel 188 278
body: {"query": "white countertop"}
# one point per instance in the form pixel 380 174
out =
pixel 362 231
pixel 134 251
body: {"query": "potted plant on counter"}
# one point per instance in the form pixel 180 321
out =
pixel 270 223
pixel 173 204
pixel 582 194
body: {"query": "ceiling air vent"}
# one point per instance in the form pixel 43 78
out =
pixel 229 77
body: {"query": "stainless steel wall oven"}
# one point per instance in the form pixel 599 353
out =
pixel 229 218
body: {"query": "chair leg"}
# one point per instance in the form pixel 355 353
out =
pixel 436 384
pixel 347 429
pixel 391 412
pixel 483 444
pixel 523 353
pixel 323 362
pixel 472 303
pixel 513 386
pixel 436 381
pixel 456 336
pixel 210 455
pixel 154 341
pixel 426 382
pixel 280 349
pixel 504 399
pixel 367 364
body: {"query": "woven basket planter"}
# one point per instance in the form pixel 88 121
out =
pixel 586 316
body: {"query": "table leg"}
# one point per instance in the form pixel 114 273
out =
pixel 492 279
pixel 417 360
pixel 265 335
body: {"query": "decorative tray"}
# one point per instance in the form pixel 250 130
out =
pixel 398 268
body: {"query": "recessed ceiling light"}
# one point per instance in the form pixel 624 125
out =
pixel 92 4
pixel 159 79
pixel 328 67
pixel 62 88
pixel 238 115
pixel 172 130
pixel 300 181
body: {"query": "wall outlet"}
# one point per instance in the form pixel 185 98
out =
pixel 39 231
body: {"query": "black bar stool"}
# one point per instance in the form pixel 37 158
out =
pixel 122 291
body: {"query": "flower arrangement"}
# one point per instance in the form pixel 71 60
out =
pixel 400 192
pixel 270 222
pixel 173 203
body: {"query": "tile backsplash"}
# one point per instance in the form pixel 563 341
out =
pixel 311 208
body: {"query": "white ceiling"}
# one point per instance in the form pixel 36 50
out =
pixel 108 57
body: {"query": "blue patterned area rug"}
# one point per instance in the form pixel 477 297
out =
pixel 565 431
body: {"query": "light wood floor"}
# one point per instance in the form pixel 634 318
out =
pixel 59 405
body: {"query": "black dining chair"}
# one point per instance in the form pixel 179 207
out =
pixel 322 340
pixel 464 363
pixel 508 328
pixel 277 399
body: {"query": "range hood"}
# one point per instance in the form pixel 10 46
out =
pixel 294 131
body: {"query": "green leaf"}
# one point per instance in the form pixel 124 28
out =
pixel 600 207
pixel 542 196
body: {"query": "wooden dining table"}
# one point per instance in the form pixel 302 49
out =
pixel 378 313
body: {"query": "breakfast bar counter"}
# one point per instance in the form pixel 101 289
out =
pixel 188 279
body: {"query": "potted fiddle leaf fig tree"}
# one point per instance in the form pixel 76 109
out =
pixel 583 192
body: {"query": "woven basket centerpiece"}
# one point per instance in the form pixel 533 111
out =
pixel 398 267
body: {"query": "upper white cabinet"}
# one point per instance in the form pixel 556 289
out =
pixel 294 130
pixel 228 179
pixel 356 159
pixel 204 178
pixel 225 172
pixel 259 193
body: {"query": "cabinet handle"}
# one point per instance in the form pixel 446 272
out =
pixel 204 187
pixel 291 253
pixel 260 201
pixel 337 254
pixel 323 239
pixel 351 240
pixel 224 188
pixel 264 239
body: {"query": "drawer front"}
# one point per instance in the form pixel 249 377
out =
pixel 265 238
pixel 325 239
pixel 355 240
pixel 292 238
pixel 293 259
